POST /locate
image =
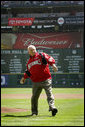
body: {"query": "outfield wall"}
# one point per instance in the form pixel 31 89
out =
pixel 67 60
pixel 70 63
pixel 58 80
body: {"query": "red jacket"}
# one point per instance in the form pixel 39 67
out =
pixel 39 71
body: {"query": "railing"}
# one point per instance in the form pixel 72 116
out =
pixel 13 4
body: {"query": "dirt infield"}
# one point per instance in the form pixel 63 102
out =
pixel 28 96
pixel 7 110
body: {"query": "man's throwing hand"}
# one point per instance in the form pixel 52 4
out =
pixel 55 69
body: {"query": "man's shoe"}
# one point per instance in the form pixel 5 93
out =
pixel 34 114
pixel 54 111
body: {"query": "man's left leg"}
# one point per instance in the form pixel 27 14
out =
pixel 50 97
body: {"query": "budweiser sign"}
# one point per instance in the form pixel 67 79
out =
pixel 20 21
pixel 49 40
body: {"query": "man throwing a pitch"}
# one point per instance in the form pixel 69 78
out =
pixel 38 71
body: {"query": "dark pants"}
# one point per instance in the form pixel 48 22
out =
pixel 37 88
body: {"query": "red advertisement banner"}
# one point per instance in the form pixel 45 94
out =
pixel 20 21
pixel 42 40
pixel 49 40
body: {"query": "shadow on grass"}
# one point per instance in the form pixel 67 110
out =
pixel 17 116
pixel 27 116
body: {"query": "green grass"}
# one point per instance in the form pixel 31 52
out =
pixel 71 111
